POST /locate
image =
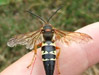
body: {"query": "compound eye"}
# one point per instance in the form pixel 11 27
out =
pixel 43 31
pixel 52 30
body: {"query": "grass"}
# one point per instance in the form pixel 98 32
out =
pixel 14 20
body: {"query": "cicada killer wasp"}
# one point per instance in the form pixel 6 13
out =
pixel 46 37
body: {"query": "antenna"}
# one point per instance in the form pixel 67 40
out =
pixel 54 13
pixel 36 16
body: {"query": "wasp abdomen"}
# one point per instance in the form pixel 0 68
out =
pixel 49 57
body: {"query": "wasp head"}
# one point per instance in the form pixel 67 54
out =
pixel 47 32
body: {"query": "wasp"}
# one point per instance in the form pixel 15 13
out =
pixel 45 38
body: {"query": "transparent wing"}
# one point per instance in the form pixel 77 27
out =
pixel 69 37
pixel 28 39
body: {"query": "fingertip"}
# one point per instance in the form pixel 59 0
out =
pixel 92 49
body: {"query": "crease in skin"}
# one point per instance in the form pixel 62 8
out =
pixel 86 55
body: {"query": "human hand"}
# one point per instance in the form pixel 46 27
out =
pixel 73 60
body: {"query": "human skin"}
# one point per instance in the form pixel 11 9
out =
pixel 73 60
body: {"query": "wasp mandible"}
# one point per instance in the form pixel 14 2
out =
pixel 46 37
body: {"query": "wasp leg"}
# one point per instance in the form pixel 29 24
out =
pixel 57 57
pixel 35 53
